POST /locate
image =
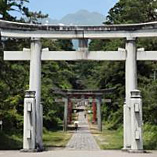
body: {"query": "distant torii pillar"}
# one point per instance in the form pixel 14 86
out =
pixel 94 110
pixel 69 111
pixel 99 122
pixel 65 125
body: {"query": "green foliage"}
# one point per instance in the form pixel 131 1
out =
pixel 133 11
pixel 50 139
pixel 149 92
pixel 9 6
pixel 34 17
pixel 10 142
pixel 113 139
pixel 110 139
pixel 56 139
pixel 12 88
pixel 150 136
pixel 54 75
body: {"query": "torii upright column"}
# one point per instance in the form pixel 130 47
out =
pixel 71 107
pixel 35 85
pixel 94 111
pixel 65 114
pixel 69 111
pixel 99 113
pixel 130 84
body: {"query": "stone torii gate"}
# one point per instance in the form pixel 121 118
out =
pixel 85 94
pixel 130 54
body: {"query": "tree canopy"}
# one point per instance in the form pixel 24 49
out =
pixel 9 6
pixel 133 11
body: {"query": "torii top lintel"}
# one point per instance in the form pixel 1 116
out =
pixel 83 93
pixel 25 30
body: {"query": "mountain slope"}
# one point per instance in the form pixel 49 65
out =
pixel 81 17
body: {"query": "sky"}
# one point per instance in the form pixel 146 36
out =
pixel 59 8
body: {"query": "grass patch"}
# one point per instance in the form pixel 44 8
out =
pixel 50 139
pixel 150 137
pixel 56 138
pixel 113 139
pixel 109 139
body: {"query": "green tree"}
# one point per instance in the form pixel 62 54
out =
pixel 55 74
pixel 13 76
pixel 133 11
pixel 6 6
pixel 9 6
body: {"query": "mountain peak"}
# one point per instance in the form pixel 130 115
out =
pixel 81 17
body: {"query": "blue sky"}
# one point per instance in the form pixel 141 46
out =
pixel 59 8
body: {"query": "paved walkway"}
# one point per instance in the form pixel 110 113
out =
pixel 82 139
pixel 65 153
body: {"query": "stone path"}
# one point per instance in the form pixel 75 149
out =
pixel 82 139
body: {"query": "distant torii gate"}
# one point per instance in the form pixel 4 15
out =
pixel 130 54
pixel 70 94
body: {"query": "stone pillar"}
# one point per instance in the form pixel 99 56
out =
pixel 65 115
pixel 94 111
pixel 35 85
pixel 29 122
pixel 130 84
pixel 99 114
pixel 136 122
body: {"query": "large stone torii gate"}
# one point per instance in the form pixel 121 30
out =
pixel 130 54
